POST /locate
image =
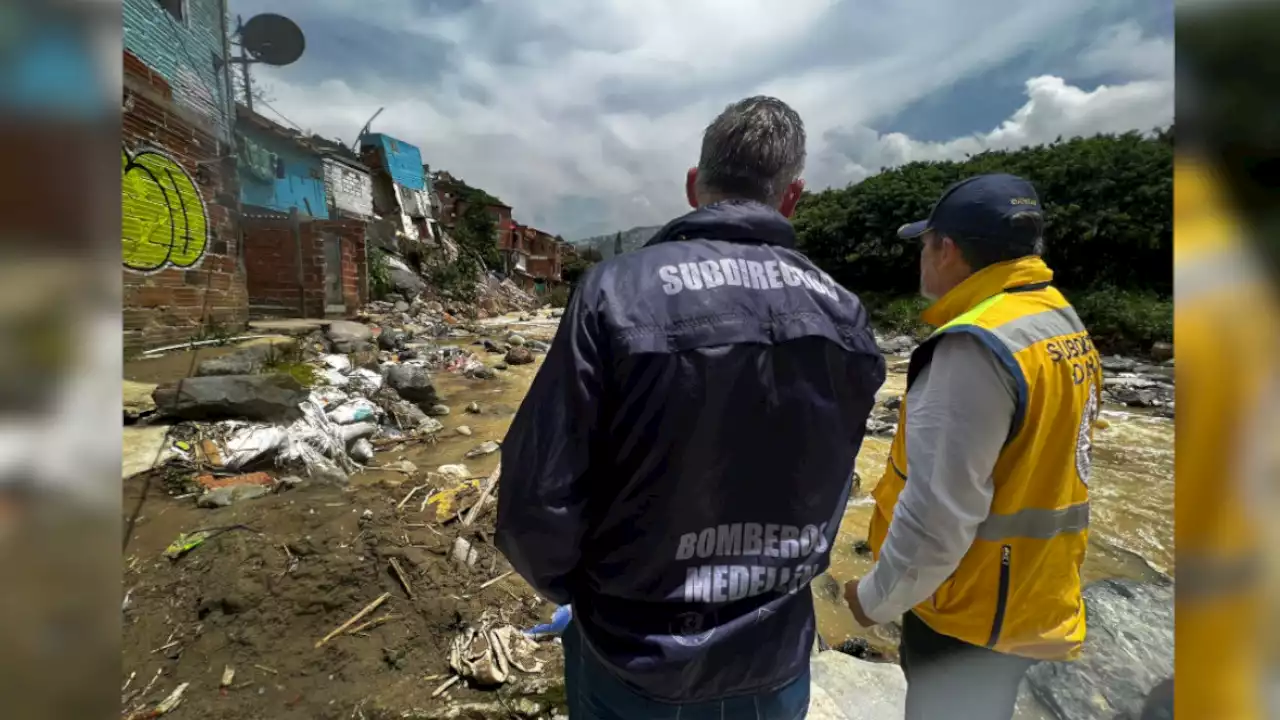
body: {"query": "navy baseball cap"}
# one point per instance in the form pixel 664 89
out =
pixel 979 208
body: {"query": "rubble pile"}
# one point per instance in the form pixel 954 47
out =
pixel 286 580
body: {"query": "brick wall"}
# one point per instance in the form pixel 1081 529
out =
pixel 182 276
pixel 271 253
pixel 181 51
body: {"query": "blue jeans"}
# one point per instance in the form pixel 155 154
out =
pixel 595 693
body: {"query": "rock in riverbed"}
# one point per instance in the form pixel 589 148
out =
pixel 269 398
pixel 413 384
pixel 346 336
pixel 1128 650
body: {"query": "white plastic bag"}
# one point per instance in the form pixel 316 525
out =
pixel 251 443
pixel 366 380
pixel 334 378
pixel 362 451
pixel 356 410
pixel 328 397
pixel 341 363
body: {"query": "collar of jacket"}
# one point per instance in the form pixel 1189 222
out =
pixel 733 220
pixel 981 285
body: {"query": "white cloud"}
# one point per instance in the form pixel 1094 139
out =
pixel 1123 49
pixel 1053 109
pixel 584 114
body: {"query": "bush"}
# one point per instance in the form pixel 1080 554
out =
pixel 379 274
pixel 558 296
pixel 892 316
pixel 1108 205
pixel 1119 321
pixel 1125 321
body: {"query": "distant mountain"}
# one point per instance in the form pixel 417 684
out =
pixel 631 239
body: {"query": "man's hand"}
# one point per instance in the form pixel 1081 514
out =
pixel 855 605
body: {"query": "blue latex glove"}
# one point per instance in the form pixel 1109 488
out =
pixel 559 621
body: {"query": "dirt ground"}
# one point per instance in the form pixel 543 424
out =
pixel 293 567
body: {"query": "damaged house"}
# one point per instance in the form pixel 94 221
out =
pixel 401 188
pixel 305 214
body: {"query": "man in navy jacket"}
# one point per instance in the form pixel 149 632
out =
pixel 680 467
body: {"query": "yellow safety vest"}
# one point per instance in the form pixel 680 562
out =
pixel 1017 589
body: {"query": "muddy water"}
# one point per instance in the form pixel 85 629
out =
pixel 1132 485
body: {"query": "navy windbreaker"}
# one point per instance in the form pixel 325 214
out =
pixel 680 466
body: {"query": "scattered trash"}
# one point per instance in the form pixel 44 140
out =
pixel 165 707
pixel 486 448
pixel 455 472
pixel 334 378
pixel 355 410
pixel 328 397
pixel 486 654
pixel 362 451
pixel 228 676
pixel 463 430
pixel 366 380
pixel 403 466
pixel 186 542
pixel 226 496
pixel 464 553
pixel 341 363
pixel 209 482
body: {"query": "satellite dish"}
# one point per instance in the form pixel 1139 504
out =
pixel 272 39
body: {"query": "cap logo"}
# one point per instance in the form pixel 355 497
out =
pixel 1023 201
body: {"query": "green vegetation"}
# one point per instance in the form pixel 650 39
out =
pixel 1125 321
pixel 573 269
pixel 475 235
pixel 1108 204
pixel 558 296
pixel 379 273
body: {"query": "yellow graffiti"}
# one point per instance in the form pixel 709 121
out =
pixel 165 223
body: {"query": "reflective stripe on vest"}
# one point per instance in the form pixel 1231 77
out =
pixel 1035 523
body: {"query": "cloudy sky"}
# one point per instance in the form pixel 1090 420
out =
pixel 585 114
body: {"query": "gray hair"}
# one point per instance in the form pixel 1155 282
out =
pixel 752 151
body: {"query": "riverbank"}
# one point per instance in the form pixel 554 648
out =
pixel 1121 322
pixel 307 550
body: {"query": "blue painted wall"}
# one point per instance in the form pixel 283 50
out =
pixel 302 186
pixel 182 52
pixel 402 160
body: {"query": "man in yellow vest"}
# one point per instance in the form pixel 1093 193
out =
pixel 982 513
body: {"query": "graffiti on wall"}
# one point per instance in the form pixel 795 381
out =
pixel 165 220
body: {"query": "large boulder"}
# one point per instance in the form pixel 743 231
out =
pixel 1162 351
pixel 348 337
pixel 519 356
pixel 406 282
pixel 413 384
pixel 899 345
pixel 389 338
pixel 1127 652
pixel 404 414
pixel 248 360
pixel 269 398
pixel 846 688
